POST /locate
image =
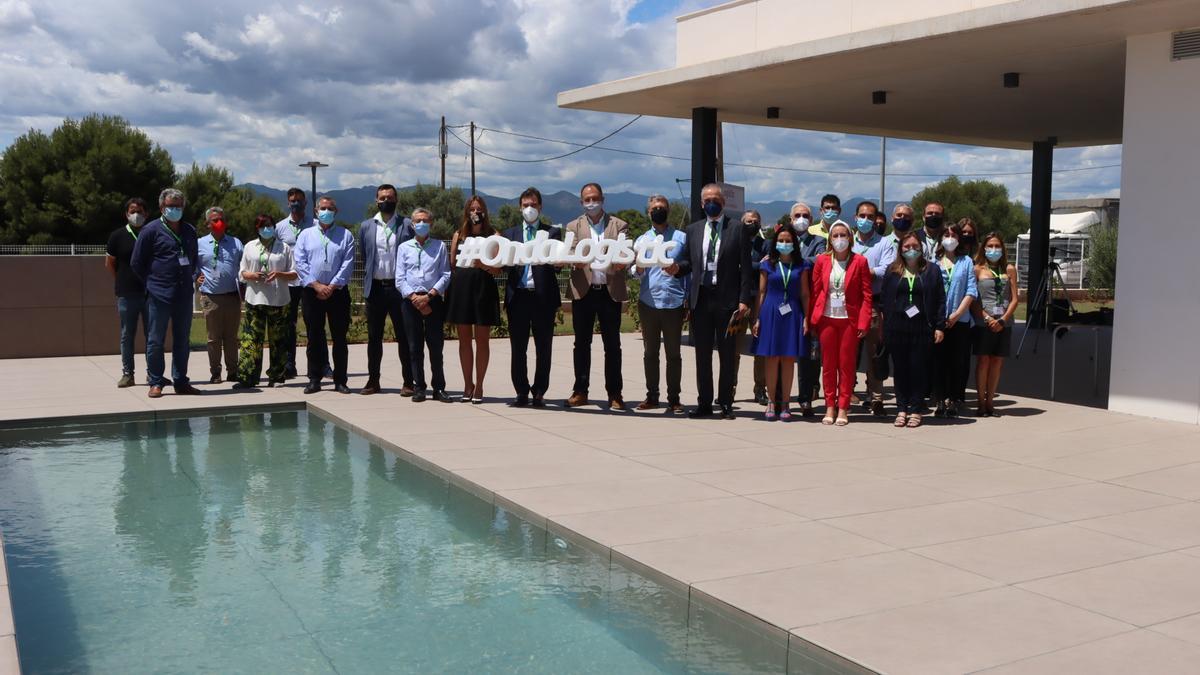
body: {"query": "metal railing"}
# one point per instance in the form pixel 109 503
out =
pixel 52 249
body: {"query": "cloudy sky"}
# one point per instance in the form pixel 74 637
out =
pixel 258 86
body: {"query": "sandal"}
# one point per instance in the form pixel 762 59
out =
pixel 842 419
pixel 769 413
pixel 827 420
pixel 466 396
pixel 914 421
pixel 901 419
pixel 786 415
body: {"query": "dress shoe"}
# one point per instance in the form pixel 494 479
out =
pixel 407 391
pixel 371 388
pixel 676 408
pixel 328 373
pixel 761 398
pixel 877 408
pixel 648 404
pixel 312 387
pixel 125 381
pixel 418 396
pixel 155 392
pixel 289 373
pixel 341 389
pixel 242 385
pixel 539 402
pixel 441 395
pixel 520 402
pixel 727 412
pixel 577 400
pixel 701 412
pixel 215 379
pixel 272 383
pixel 616 404
pixel 186 389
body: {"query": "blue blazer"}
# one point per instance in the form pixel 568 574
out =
pixel 961 283
pixel 366 244
pixel 545 277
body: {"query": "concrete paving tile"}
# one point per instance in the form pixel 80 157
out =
pixel 512 477
pixel 937 523
pixel 962 634
pixel 673 521
pixel 723 460
pixel 1138 651
pixel 848 500
pixel 862 448
pixel 1178 481
pixel 1103 465
pixel 658 445
pixel 1141 592
pixel 779 478
pixel 1040 552
pixel 1079 502
pixel 1170 527
pixel 999 481
pixel 1184 628
pixel 418 443
pixel 828 591
pixel 923 464
pixel 7 625
pixel 8 656
pixel 748 551
pixel 607 495
pixel 480 458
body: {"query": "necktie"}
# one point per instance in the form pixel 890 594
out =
pixel 528 273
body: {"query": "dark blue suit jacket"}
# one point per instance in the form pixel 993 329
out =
pixel 366 244
pixel 545 277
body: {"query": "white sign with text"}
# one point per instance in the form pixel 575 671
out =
pixel 500 251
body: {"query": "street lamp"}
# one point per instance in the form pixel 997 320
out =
pixel 314 165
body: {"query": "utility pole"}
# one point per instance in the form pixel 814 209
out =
pixel 472 158
pixel 720 175
pixel 314 165
pixel 443 150
pixel 883 174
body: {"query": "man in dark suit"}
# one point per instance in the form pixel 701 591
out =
pixel 379 238
pixel 532 299
pixel 722 286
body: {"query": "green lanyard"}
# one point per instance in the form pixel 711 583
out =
pixel 714 236
pixel 388 233
pixel 837 274
pixel 262 257
pixel 420 249
pixel 131 233
pixel 946 274
pixel 911 279
pixel 785 271
pixel 176 237
pixel 216 252
pixel 999 285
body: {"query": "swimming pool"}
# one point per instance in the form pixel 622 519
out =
pixel 281 542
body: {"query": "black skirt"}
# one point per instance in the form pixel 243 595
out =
pixel 987 343
pixel 473 298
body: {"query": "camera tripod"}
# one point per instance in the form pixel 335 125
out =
pixel 1051 280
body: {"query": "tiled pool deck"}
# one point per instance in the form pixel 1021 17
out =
pixel 1054 539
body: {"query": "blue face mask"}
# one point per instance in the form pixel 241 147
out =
pixel 713 209
pixel 901 224
pixel 173 213
pixel 297 207
pixel 911 254
pixel 864 225
pixel 784 247
pixel 829 216
pixel 326 216
pixel 993 254
pixel 421 228
pixel 267 232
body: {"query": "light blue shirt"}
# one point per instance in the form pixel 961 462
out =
pixel 960 282
pixel 421 268
pixel 220 263
pixel 879 258
pixel 288 231
pixel 659 289
pixel 326 256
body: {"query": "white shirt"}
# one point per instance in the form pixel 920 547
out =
pixel 598 276
pixel 835 304
pixel 385 253
pixel 278 259
pixel 709 225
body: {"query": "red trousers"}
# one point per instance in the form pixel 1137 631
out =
pixel 839 360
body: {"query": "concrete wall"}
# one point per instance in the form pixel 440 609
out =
pixel 58 306
pixel 1155 371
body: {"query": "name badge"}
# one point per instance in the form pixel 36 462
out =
pixel 912 311
pixel 326 266
pixel 183 261
pixel 837 302
pixel 711 267
pixel 784 310
pixel 998 310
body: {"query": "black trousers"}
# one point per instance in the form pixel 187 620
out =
pixel 386 302
pixel 662 327
pixel 597 304
pixel 952 363
pixel 336 309
pixel 910 371
pixel 295 292
pixel 425 330
pixel 527 315
pixel 709 321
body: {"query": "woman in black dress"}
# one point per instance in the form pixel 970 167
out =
pixel 473 302
pixel 913 303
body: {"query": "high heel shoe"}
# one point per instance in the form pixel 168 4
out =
pixel 466 395
pixel 769 413
pixel 785 415
pixel 477 396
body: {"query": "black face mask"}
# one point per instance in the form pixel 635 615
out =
pixel 658 215
pixel 297 207
pixel 933 222
pixel 967 240
pixel 387 208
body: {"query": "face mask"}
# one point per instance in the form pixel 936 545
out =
pixel 421 228
pixel 901 224
pixel 933 222
pixel 801 223
pixel 784 248
pixel 993 254
pixel 530 214
pixel 658 215
pixel 880 228
pixel 476 218
pixel 864 225
pixel 326 216
pixel 949 244
pixel 593 207
pixel 713 209
pixel 296 207
pixel 968 240
pixel 829 216
pixel 387 208
pixel 911 254
pixel 136 219
pixel 267 232
pixel 218 228
pixel 841 244
pixel 173 213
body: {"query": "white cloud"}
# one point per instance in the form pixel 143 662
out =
pixel 15 14
pixel 261 30
pixel 207 49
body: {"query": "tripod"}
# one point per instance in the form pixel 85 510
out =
pixel 1045 291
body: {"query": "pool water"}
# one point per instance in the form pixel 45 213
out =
pixel 283 543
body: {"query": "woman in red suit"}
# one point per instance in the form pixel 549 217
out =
pixel 841 314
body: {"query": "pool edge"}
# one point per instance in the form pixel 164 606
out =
pixel 9 662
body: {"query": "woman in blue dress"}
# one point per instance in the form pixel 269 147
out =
pixel 782 322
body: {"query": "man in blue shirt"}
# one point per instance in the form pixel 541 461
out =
pixel 287 231
pixel 531 299
pixel 324 257
pixel 220 300
pixel 165 259
pixel 422 275
pixel 864 241
pixel 379 238
pixel 661 309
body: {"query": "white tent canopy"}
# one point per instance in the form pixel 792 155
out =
pixel 1073 223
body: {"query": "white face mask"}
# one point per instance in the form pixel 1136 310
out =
pixel 841 244
pixel 593 207
pixel 530 214
pixel 949 244
pixel 801 223
pixel 136 219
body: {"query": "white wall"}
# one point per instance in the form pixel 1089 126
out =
pixel 1156 360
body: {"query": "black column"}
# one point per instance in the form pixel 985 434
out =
pixel 704 155
pixel 1039 231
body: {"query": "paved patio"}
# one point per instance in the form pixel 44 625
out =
pixel 1054 539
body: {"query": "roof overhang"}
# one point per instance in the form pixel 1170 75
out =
pixel 943 77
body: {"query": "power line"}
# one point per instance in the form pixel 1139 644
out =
pixel 550 159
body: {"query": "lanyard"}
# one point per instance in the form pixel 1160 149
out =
pixel 785 271
pixel 262 257
pixel 388 233
pixel 946 275
pixel 175 236
pixel 216 252
pixel 420 249
pixel 714 239
pixel 911 279
pixel 326 241
pixel 837 274
pixel 131 233
pixel 999 284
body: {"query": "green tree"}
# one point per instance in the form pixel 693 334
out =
pixel 446 206
pixel 638 221
pixel 213 186
pixel 1102 257
pixel 70 186
pixel 985 202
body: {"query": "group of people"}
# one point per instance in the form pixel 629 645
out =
pixel 805 295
